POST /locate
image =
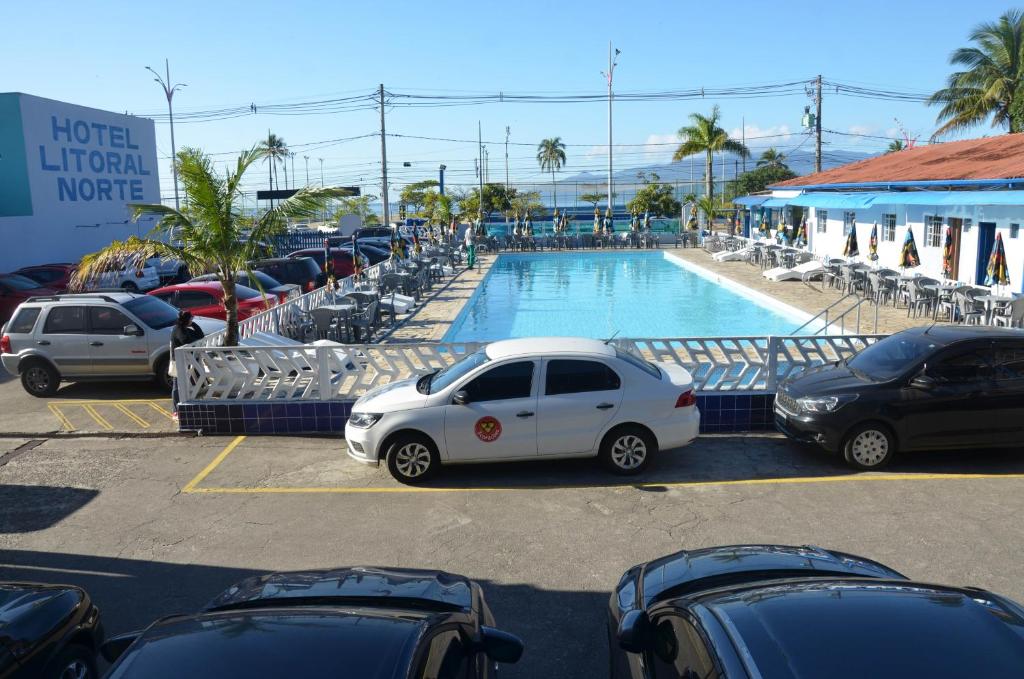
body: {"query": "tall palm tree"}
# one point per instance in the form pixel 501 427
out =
pixel 275 151
pixel 895 145
pixel 213 235
pixel 705 136
pixel 994 72
pixel 771 158
pixel 551 156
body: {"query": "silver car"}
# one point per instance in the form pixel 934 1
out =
pixel 90 336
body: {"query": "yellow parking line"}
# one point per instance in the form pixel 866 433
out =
pixel 190 486
pixel 65 423
pixel 640 486
pixel 128 413
pixel 157 407
pixel 100 420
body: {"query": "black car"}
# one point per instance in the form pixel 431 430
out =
pixel 351 622
pixel 47 632
pixel 773 611
pixel 945 386
pixel 372 250
pixel 302 271
pixel 261 282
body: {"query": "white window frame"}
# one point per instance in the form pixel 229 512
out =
pixel 821 219
pixel 933 231
pixel 889 228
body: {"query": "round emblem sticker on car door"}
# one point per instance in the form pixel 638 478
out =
pixel 487 429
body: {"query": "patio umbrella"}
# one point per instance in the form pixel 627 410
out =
pixel 873 243
pixel 998 274
pixel 416 247
pixel 801 235
pixel 947 254
pixel 908 255
pixel 851 249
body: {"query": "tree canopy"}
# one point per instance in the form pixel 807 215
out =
pixel 704 135
pixel 654 197
pixel 761 178
pixel 497 198
pixel 415 194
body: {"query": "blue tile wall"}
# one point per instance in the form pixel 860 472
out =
pixel 720 413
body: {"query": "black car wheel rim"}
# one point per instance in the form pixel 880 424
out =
pixel 76 669
pixel 869 447
pixel 38 379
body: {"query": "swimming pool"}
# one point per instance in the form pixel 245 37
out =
pixel 597 294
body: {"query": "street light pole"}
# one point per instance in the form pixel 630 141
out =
pixel 508 131
pixel 608 76
pixel 169 91
pixel 322 181
pixel 306 158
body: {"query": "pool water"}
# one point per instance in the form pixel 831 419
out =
pixel 598 294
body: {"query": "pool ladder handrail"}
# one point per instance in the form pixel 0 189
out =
pixel 823 316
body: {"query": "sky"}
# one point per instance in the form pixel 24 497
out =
pixel 233 54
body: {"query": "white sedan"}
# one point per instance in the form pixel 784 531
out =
pixel 527 399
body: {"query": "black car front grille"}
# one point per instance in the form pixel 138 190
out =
pixel 786 402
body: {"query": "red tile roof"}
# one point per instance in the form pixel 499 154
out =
pixel 999 157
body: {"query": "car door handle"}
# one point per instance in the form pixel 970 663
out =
pixel 605 406
pixel 95 344
pixel 524 413
pixel 43 343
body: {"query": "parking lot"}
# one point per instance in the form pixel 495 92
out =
pixel 157 525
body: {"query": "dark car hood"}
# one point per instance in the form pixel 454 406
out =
pixel 29 611
pixel 829 379
pixel 357 584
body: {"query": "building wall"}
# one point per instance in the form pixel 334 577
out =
pixel 67 173
pixel 832 242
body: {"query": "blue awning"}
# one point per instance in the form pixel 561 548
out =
pixel 848 201
pixel 777 202
pixel 949 198
pixel 750 201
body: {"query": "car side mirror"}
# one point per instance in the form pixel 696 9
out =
pixel 461 397
pixel 633 631
pixel 923 382
pixel 115 646
pixel 501 646
pixel 132 329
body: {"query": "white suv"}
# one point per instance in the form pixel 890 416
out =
pixel 90 336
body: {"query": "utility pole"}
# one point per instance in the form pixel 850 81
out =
pixel 292 156
pixel 743 123
pixel 384 162
pixel 611 72
pixel 306 158
pixel 817 126
pixel 508 131
pixel 440 183
pixel 480 172
pixel 322 182
pixel 169 91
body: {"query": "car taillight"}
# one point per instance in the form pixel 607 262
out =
pixel 686 399
pixel 310 286
pixel 5 345
pixel 139 274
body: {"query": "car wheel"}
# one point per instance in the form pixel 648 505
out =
pixel 160 376
pixel 129 286
pixel 74 662
pixel 869 446
pixel 40 379
pixel 412 459
pixel 628 450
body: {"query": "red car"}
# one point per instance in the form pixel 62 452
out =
pixel 15 289
pixel 207 299
pixel 342 260
pixel 54 276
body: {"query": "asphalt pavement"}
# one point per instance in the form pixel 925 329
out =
pixel 155 526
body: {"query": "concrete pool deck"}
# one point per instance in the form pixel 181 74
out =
pixel 431 320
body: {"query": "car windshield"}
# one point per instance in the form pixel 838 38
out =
pixel 638 362
pixel 264 280
pixel 892 356
pixel 16 282
pixel 154 312
pixel 243 292
pixel 453 373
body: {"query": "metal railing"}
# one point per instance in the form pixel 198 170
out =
pixel 826 326
pixel 281 374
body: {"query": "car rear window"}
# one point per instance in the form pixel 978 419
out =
pixel 24 321
pixel 15 282
pixel 65 320
pixel 243 292
pixel 571 376
pixel 638 362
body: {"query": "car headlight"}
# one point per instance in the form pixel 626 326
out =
pixel 825 404
pixel 364 420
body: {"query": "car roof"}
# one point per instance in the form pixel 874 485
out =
pixel 116 297
pixel 948 334
pixel 428 588
pixel 822 628
pixel 691 571
pixel 289 642
pixel 547 345
pixel 206 286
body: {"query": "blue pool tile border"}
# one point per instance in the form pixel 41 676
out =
pixel 720 413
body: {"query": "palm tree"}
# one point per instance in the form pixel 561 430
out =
pixel 551 156
pixel 212 234
pixel 993 75
pixel 706 204
pixel 895 145
pixel 771 158
pixel 275 150
pixel 705 136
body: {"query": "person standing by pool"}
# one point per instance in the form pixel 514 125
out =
pixel 470 246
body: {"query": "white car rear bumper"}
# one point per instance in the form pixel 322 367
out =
pixel 678 430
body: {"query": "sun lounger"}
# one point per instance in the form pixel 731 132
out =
pixel 732 255
pixel 801 272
